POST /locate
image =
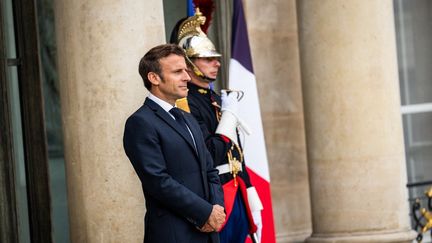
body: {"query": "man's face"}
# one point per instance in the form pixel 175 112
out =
pixel 174 78
pixel 208 65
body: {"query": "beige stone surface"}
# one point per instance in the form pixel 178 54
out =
pixel 353 122
pixel 273 38
pixel 99 46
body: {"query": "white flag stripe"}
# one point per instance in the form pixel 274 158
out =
pixel 249 111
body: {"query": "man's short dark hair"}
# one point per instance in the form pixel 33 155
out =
pixel 150 61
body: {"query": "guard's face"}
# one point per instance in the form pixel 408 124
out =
pixel 208 65
pixel 174 78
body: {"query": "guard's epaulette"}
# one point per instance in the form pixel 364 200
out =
pixel 183 104
pixel 202 91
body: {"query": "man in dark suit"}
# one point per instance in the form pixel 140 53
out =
pixel 184 198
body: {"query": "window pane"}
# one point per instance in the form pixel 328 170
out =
pixel 18 156
pixel 418 130
pixel 9 29
pixel 414 37
pixel 418 145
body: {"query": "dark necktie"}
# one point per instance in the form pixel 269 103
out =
pixel 179 117
pixel 177 113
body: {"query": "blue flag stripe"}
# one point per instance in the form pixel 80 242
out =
pixel 240 41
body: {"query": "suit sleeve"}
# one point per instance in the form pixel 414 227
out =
pixel 216 191
pixel 142 146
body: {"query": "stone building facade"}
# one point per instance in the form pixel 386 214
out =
pixel 328 79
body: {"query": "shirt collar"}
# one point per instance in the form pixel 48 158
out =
pixel 165 105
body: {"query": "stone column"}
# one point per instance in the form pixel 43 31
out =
pixel 353 122
pixel 99 46
pixel 273 38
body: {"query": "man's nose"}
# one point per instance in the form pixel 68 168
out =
pixel 186 76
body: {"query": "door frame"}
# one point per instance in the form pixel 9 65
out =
pixel 33 126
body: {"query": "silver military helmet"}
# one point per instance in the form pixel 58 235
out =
pixel 195 42
pixel 198 46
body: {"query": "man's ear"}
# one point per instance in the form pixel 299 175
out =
pixel 153 78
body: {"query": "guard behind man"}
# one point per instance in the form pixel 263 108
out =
pixel 218 119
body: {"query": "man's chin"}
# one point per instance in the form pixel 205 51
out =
pixel 183 94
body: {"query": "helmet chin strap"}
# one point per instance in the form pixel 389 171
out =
pixel 198 72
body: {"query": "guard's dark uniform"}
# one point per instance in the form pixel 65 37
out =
pixel 204 105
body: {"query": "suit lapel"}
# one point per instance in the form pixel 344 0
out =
pixel 168 119
pixel 196 136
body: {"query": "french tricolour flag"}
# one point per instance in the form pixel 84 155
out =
pixel 241 77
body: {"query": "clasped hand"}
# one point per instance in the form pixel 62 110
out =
pixel 215 221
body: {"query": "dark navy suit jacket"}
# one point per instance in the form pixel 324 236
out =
pixel 179 182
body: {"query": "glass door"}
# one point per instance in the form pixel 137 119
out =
pixel 413 21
